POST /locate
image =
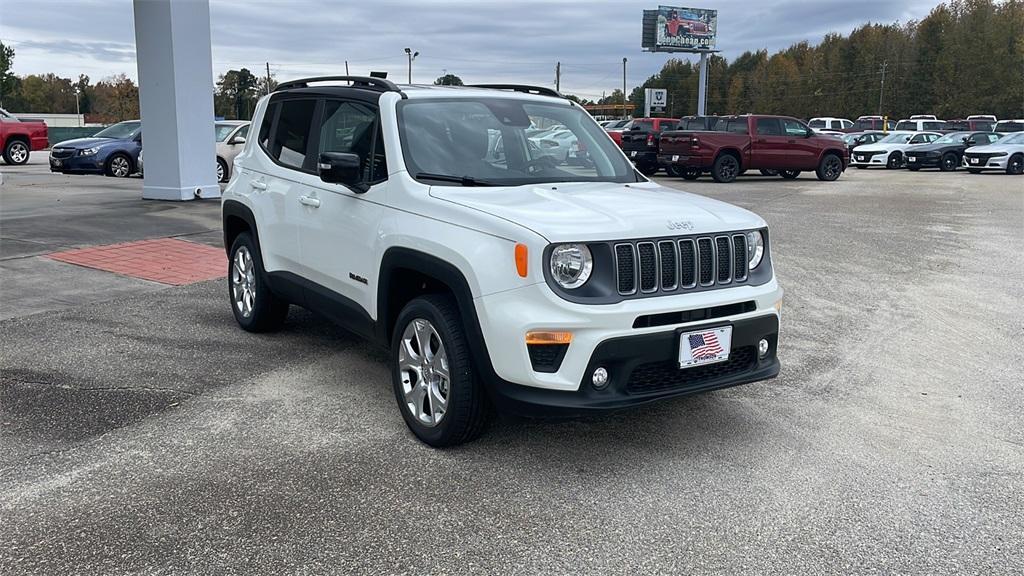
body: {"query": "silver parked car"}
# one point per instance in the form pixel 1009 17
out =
pixel 231 135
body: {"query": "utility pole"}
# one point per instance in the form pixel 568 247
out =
pixel 347 82
pixel 881 88
pixel 623 88
pixel 268 77
pixel 412 56
pixel 558 77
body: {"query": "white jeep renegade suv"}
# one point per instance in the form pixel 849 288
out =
pixel 425 218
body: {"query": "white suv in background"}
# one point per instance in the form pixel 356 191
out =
pixel 829 125
pixel 496 275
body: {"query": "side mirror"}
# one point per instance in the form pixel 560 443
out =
pixel 342 168
pixel 237 140
pixel 809 133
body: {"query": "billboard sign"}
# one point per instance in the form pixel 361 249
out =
pixel 677 29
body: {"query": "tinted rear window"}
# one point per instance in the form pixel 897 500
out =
pixel 645 125
pixel 291 135
pixel 736 126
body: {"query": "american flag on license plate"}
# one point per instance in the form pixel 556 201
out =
pixel 704 345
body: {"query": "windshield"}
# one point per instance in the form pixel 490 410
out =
pixel 223 130
pixel 488 141
pixel 895 138
pixel 906 125
pixel 817 123
pixel 1017 138
pixel 1009 126
pixel 953 138
pixel 120 130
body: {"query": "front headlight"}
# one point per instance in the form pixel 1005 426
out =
pixel 755 248
pixel 571 265
pixel 89 151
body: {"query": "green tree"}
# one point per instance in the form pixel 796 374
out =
pixel 448 80
pixel 116 98
pixel 236 94
pixel 8 81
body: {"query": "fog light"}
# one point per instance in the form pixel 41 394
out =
pixel 600 378
pixel 762 348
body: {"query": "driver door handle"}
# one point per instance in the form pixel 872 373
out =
pixel 258 185
pixel 309 201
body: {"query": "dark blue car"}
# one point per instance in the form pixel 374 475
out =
pixel 113 151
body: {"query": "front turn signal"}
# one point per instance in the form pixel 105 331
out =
pixel 521 260
pixel 545 337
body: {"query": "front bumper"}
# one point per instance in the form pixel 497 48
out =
pixel 684 160
pixel 644 368
pixel 81 164
pixel 923 161
pixel 992 163
pixel 876 160
pixel 642 157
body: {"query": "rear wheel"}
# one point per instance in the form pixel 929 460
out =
pixel 789 174
pixel 830 168
pixel 255 307
pixel 725 169
pixel 949 162
pixel 16 152
pixel 435 385
pixel 1016 164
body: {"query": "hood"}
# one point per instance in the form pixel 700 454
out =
pixel 876 147
pixel 81 143
pixel 933 147
pixel 996 147
pixel 592 211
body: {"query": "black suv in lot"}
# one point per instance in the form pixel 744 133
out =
pixel 947 153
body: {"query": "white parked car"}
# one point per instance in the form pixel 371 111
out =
pixel 829 125
pixel 231 135
pixel 559 145
pixel 1007 126
pixel 889 151
pixel 1007 154
pixel 921 124
pixel 512 283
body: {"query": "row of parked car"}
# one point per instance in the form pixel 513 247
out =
pixel 117 150
pixel 916 123
pixel 975 151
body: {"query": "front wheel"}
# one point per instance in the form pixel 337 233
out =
pixel 1015 165
pixel 222 170
pixel 725 169
pixel 949 162
pixel 437 390
pixel 255 307
pixel 119 166
pixel 16 153
pixel 830 168
pixel 895 161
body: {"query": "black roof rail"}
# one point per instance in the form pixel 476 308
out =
pixel 539 90
pixel 361 81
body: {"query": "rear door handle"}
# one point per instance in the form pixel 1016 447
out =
pixel 309 201
pixel 258 185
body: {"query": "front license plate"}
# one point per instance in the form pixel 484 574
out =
pixel 56 163
pixel 911 158
pixel 861 158
pixel 675 158
pixel 705 346
pixel 975 160
pixel 633 153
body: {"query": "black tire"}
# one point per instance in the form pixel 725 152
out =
pixel 16 152
pixel 1015 165
pixel 113 166
pixel 268 311
pixel 949 162
pixel 895 161
pixel 647 169
pixel 974 171
pixel 467 411
pixel 769 172
pixel 673 170
pixel 725 169
pixel 224 174
pixel 789 174
pixel 691 173
pixel 830 168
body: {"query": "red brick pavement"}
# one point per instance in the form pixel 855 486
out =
pixel 165 260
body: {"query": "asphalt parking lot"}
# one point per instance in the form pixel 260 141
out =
pixel 142 432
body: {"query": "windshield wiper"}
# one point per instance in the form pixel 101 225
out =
pixel 464 180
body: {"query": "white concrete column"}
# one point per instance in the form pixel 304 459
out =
pixel 702 85
pixel 172 45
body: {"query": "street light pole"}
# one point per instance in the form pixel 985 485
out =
pixel 412 56
pixel 623 88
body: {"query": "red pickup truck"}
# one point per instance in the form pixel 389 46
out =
pixel 738 143
pixel 19 137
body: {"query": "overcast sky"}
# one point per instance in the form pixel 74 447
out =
pixel 480 41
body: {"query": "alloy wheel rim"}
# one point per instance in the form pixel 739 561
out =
pixel 18 152
pixel 832 169
pixel 119 166
pixel 423 367
pixel 729 168
pixel 243 282
pixel 220 172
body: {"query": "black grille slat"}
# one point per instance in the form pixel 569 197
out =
pixel 723 251
pixel 706 259
pixel 62 153
pixel 648 266
pixel 739 250
pixel 669 264
pixel 625 265
pixel 662 376
pixel 687 264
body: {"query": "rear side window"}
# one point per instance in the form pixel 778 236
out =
pixel 353 128
pixel 291 134
pixel 817 124
pixel 267 125
pixel 768 127
pixel 737 126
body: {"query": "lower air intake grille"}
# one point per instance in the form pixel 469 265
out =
pixel 662 376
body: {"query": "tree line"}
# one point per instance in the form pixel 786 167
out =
pixel 965 57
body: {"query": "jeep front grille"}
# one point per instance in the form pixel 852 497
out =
pixel 665 266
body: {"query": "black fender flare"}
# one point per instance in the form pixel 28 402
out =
pixel 235 209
